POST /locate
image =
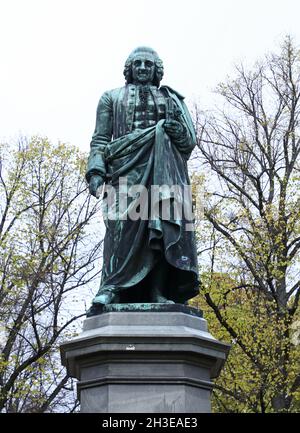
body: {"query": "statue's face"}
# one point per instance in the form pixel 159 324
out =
pixel 143 68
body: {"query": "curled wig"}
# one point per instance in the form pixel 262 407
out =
pixel 159 68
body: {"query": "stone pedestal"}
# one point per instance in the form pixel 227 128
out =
pixel 136 360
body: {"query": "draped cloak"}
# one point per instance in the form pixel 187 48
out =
pixel 144 157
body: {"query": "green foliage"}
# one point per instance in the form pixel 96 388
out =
pixel 254 372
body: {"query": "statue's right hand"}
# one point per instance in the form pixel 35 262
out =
pixel 94 184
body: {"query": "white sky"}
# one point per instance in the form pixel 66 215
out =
pixel 58 56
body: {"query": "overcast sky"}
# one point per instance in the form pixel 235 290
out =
pixel 58 56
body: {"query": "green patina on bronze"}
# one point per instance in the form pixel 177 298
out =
pixel 144 133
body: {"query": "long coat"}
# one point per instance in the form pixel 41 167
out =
pixel 144 157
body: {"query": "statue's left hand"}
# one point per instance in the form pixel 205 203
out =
pixel 174 129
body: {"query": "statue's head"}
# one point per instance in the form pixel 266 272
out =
pixel 143 66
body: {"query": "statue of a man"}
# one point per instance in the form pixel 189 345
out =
pixel 144 134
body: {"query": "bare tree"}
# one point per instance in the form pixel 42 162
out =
pixel 252 209
pixel 48 258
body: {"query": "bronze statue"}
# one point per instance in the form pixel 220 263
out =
pixel 144 134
